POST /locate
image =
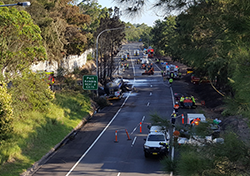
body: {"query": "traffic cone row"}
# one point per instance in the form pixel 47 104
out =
pixel 116 133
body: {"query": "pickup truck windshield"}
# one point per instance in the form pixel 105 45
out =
pixel 156 138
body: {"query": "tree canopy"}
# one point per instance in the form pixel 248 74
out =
pixel 21 41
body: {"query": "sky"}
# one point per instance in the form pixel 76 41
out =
pixel 147 17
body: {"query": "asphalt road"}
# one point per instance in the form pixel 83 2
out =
pixel 95 150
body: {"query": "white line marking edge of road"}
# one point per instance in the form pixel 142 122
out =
pixel 97 137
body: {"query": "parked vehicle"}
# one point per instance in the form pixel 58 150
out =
pixel 198 80
pixel 172 71
pixel 150 52
pixel 113 89
pixel 136 52
pixel 156 143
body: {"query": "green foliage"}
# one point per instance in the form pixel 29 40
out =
pixel 191 163
pixel 89 57
pixel 211 37
pixel 157 120
pixel 163 34
pixel 169 165
pixel 138 32
pixel 21 41
pixel 30 92
pixel 6 113
pixel 229 158
pixel 109 42
pixel 35 135
pixel 96 12
pixel 101 101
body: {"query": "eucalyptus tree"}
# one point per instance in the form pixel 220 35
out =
pixel 21 42
pixel 163 33
pixel 96 12
pixel 61 24
pixel 137 32
pixel 109 42
pixel 133 8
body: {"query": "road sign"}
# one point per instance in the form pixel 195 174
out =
pixel 89 82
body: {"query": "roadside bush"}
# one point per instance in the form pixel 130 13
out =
pixel 101 101
pixel 6 113
pixel 84 72
pixel 230 158
pixel 61 72
pixel 30 92
pixel 89 57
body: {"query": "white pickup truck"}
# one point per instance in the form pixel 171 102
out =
pixel 157 142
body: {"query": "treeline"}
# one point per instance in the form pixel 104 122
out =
pixel 213 38
pixel 47 30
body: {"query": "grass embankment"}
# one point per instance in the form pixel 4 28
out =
pixel 37 133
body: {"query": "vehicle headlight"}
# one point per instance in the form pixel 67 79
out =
pixel 146 147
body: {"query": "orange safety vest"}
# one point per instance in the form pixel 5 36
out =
pixel 176 106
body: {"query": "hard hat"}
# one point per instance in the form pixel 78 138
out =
pixel 176 102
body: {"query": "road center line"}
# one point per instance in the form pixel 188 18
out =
pixel 150 93
pixel 148 104
pixel 133 141
pixel 143 118
pixel 97 137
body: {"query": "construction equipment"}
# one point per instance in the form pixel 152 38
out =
pixel 149 72
pixel 172 71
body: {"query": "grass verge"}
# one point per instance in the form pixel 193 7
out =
pixel 38 132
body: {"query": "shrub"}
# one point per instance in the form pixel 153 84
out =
pixel 6 113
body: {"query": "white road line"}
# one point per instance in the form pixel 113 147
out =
pixel 157 66
pixel 150 93
pixel 172 94
pixel 148 104
pixel 133 141
pixel 172 154
pixel 134 130
pixel 143 118
pixel 133 66
pixel 97 138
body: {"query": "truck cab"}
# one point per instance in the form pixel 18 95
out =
pixel 157 142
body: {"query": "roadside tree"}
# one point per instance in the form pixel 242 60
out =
pixel 6 113
pixel 21 42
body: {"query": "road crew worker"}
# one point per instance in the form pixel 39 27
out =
pixel 182 100
pixel 176 106
pixel 173 117
pixel 171 75
pixel 179 74
pixel 170 81
pixel 138 61
pixel 143 66
pixel 193 100
pixel 165 144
